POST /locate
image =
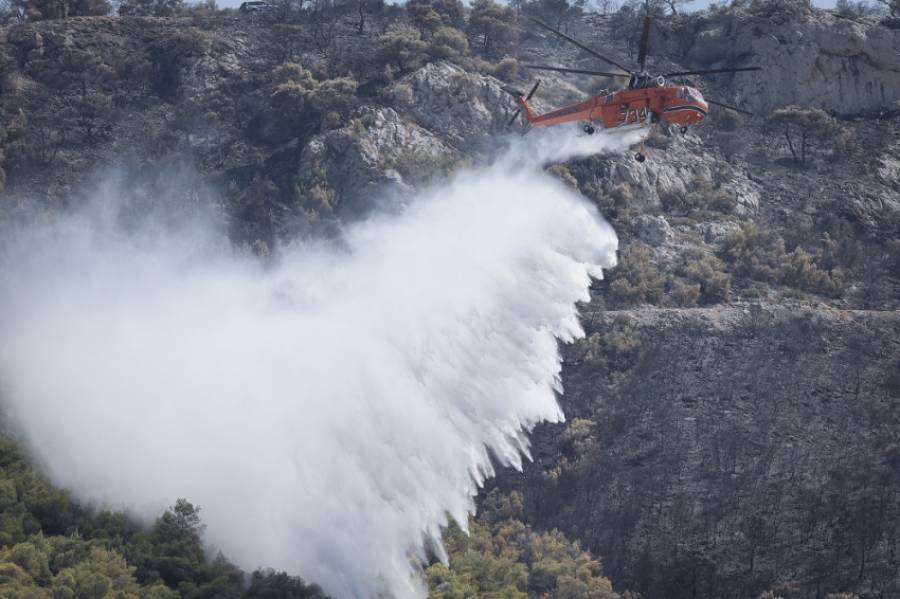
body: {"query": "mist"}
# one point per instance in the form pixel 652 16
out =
pixel 329 410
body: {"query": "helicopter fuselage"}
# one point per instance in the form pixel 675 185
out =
pixel 677 105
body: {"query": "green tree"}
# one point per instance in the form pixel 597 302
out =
pixel 802 127
pixel 493 27
pixel 305 102
pixel 430 15
pixel 269 584
pixel 552 11
pixel 401 50
pixel 449 43
pixel 103 574
pixel 503 557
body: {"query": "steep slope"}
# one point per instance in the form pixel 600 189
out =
pixel 733 412
pixel 717 452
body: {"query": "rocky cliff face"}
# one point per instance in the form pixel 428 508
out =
pixel 849 66
pixel 710 452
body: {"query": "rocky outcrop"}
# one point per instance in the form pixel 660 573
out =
pixel 351 170
pixel 462 107
pixel 730 449
pixel 848 66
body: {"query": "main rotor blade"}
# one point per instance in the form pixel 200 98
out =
pixel 712 71
pixel 538 67
pixel 728 106
pixel 514 117
pixel 533 89
pixel 579 44
pixel 645 42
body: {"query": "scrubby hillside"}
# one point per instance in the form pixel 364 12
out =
pixel 733 412
pixel 51 547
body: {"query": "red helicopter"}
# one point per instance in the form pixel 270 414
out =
pixel 648 99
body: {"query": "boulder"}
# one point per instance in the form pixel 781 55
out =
pixel 461 107
pixel 654 230
pixel 348 171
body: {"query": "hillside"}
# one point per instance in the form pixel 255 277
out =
pixel 732 414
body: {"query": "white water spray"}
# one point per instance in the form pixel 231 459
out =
pixel 327 413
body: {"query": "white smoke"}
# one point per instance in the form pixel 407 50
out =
pixel 326 412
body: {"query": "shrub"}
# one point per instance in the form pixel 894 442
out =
pixel 636 280
pixel 621 196
pixel 429 16
pixel 757 254
pixel 804 273
pixel 621 345
pixel 685 294
pixel 761 255
pixel 448 43
pixel 402 50
pixel 91 111
pixel 502 557
pixel 707 272
pixel 701 196
pixel 493 27
pixel 304 103
pixel 506 69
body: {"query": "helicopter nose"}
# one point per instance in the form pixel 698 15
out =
pixel 701 103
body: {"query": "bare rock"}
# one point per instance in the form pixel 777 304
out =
pixel 463 108
pixel 654 230
pixel 848 66
pixel 349 170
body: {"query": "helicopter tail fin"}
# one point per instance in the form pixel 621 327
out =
pixel 522 100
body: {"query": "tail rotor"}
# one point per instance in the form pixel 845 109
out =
pixel 519 96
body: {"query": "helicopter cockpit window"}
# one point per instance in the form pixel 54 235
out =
pixel 694 94
pixel 681 92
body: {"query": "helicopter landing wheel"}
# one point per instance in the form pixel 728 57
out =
pixel 588 129
pixel 640 157
pixel 683 130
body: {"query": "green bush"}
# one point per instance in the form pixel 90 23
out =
pixel 492 28
pixel 761 255
pixel 636 279
pixel 448 43
pixel 700 197
pixel 50 548
pixel 401 51
pixel 707 273
pixel 302 103
pixel 429 16
pixel 503 557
